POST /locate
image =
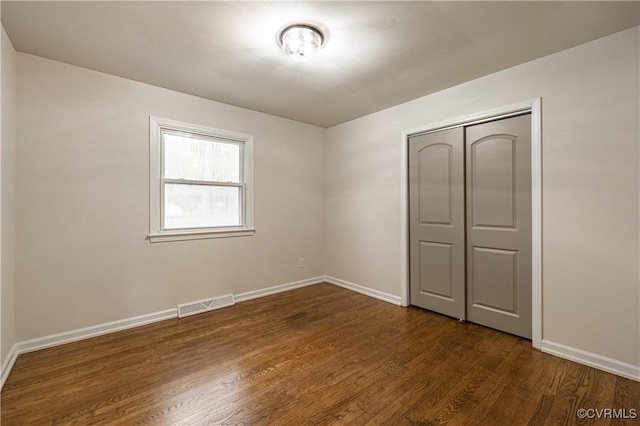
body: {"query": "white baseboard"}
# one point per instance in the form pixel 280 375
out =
pixel 590 359
pixel 80 334
pixel 7 365
pixel 241 297
pixel 93 331
pixel 587 358
pixel 377 294
pixel 124 324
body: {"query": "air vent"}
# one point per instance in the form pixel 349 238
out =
pixel 205 305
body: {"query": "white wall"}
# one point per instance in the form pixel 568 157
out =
pixel 82 196
pixel 83 202
pixel 7 214
pixel 590 142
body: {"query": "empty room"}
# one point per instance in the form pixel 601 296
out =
pixel 320 212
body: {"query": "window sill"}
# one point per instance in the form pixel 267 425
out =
pixel 184 236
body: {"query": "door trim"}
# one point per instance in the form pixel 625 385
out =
pixel 532 106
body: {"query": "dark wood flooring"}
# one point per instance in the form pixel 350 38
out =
pixel 317 355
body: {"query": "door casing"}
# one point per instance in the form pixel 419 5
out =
pixel 534 107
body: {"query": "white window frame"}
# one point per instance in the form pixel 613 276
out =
pixel 157 181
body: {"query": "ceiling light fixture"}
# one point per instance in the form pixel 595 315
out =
pixel 300 41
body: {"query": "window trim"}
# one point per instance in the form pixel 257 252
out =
pixel 157 181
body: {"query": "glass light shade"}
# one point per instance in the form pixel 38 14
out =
pixel 300 42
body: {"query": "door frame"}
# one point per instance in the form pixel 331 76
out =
pixel 532 106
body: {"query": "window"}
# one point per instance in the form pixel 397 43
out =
pixel 200 183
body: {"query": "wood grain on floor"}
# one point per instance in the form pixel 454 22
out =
pixel 316 355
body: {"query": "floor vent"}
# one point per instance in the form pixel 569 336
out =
pixel 205 305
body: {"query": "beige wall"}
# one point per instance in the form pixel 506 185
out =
pixel 7 214
pixel 82 196
pixel 83 202
pixel 590 111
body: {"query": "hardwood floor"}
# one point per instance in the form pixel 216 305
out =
pixel 316 355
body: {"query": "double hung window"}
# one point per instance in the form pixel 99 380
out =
pixel 200 182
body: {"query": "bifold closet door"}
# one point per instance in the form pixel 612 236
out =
pixel 437 222
pixel 498 202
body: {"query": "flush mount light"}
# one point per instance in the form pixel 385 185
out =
pixel 300 41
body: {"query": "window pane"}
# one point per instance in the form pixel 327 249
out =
pixel 201 206
pixel 200 159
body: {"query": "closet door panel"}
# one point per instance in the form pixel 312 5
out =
pixel 437 224
pixel 498 232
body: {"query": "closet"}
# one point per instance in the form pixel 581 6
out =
pixel 470 223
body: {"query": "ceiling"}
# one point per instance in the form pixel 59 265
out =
pixel 378 54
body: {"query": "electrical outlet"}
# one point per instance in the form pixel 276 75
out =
pixel 301 262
